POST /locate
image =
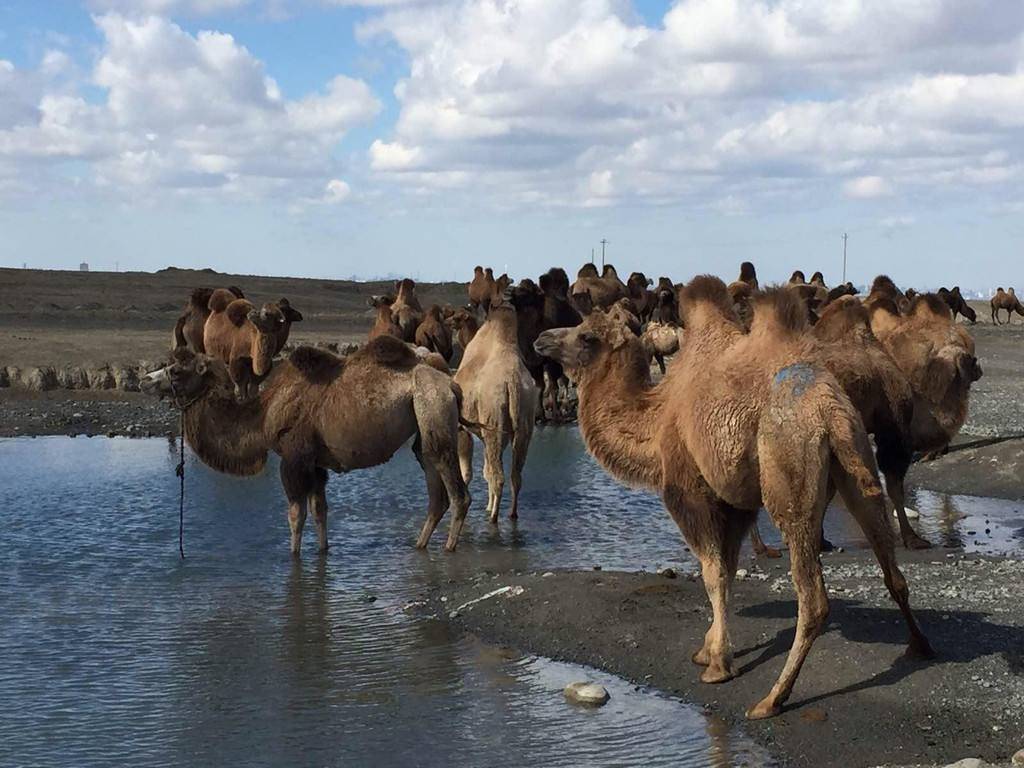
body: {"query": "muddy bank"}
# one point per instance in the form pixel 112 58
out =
pixel 858 702
pixel 25 413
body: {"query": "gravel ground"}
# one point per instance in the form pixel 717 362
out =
pixel 858 702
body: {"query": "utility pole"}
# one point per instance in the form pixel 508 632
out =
pixel 845 236
pixel 604 242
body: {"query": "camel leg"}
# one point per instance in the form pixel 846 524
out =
pixel 437 497
pixel 897 493
pixel 466 455
pixel 870 514
pixel 760 548
pixel 299 478
pixel 494 472
pixel 296 520
pixel 520 446
pixel 318 505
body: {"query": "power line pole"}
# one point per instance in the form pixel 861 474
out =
pixel 604 242
pixel 845 236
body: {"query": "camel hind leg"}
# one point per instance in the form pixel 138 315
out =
pixel 466 456
pixel 437 496
pixel 894 460
pixel 494 471
pixel 870 513
pixel 520 447
pixel 300 481
pixel 318 505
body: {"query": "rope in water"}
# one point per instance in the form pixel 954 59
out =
pixel 180 472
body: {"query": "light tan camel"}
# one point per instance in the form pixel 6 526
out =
pixel 500 396
pixel 1005 300
pixel 188 330
pixel 406 309
pixel 433 333
pixel 320 412
pixel 937 356
pixel 385 324
pixel 739 421
pixel 244 338
pixel 603 292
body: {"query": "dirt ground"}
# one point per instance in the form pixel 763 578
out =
pixel 857 702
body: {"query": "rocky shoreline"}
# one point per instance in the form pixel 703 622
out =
pixel 858 702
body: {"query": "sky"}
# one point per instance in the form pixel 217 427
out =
pixel 338 138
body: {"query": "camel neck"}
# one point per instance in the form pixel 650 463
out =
pixel 228 435
pixel 619 416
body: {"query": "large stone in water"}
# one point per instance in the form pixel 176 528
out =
pixel 590 694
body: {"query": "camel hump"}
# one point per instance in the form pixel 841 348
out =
pixel 237 310
pixel 933 303
pixel 200 298
pixel 388 352
pixel 841 318
pixel 220 299
pixel 786 306
pixel 316 365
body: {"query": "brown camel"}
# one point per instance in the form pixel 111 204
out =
pixel 797 278
pixel 937 356
pixel 739 421
pixel 666 306
pixel 406 309
pixel 188 330
pixel 883 290
pixel 291 315
pixel 315 413
pixel 434 335
pixel 465 325
pixel 1005 300
pixel 558 313
pixel 385 324
pixel 604 291
pixel 846 289
pixel 480 289
pixel 957 304
pixel 243 338
pixel 500 397
pixel 639 292
pixel 748 275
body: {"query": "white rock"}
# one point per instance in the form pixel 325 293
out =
pixel 591 694
pixel 968 762
pixel 1018 757
pixel 741 574
pixel 547 574
pixel 912 514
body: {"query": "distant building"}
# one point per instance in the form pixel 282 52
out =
pixel 83 267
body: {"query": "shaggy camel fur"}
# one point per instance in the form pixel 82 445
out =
pixel 957 304
pixel 797 278
pixel 659 340
pixel 884 290
pixel 243 338
pixel 637 287
pixel 936 354
pixel 500 397
pixel 480 289
pixel 1005 300
pixel 406 310
pixel 188 330
pixel 434 335
pixel 558 313
pixel 314 411
pixel 385 324
pixel 604 291
pixel 739 421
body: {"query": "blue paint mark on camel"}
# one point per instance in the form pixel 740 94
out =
pixel 799 375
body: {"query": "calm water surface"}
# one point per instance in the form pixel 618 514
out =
pixel 113 651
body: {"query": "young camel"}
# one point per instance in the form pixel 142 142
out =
pixel 433 333
pixel 315 413
pixel 406 309
pixel 500 396
pixel 244 338
pixel 739 421
pixel 385 324
pixel 188 330
pixel 1005 300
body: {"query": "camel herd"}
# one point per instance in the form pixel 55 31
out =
pixel 771 400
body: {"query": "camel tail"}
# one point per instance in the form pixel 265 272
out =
pixel 179 333
pixel 512 393
pixel 850 446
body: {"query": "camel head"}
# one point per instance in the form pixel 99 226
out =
pixel 187 378
pixel 501 293
pixel 747 272
pixel 579 348
pixel 489 273
pixel 638 282
pixel 797 278
pixel 380 301
pixel 291 314
pixel 478 271
pixel 267 319
pixel 461 318
pixel 555 282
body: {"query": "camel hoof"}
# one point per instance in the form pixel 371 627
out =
pixel 449 546
pixel 770 552
pixel 916 542
pixel 763 710
pixel 700 657
pixel 717 673
pixel 919 649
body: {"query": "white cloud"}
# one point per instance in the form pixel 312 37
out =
pixel 180 111
pixel 337 191
pixel 864 187
pixel 393 156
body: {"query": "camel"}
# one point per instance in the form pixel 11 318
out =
pixel 406 309
pixel 480 289
pixel 1005 300
pixel 957 304
pixel 604 290
pixel 937 356
pixel 739 421
pixel 243 338
pixel 433 334
pixel 385 324
pixel 558 313
pixel 500 396
pixel 748 275
pixel 639 292
pixel 659 340
pixel 315 413
pixel 291 315
pixel 818 279
pixel 465 325
pixel 883 289
pixel 188 330
pixel 846 289
pixel 666 308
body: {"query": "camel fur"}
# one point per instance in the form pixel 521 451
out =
pixel 244 338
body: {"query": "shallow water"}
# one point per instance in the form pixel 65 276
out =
pixel 112 650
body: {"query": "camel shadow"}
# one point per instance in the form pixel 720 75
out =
pixel 958 637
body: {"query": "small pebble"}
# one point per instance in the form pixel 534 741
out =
pixel 591 694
